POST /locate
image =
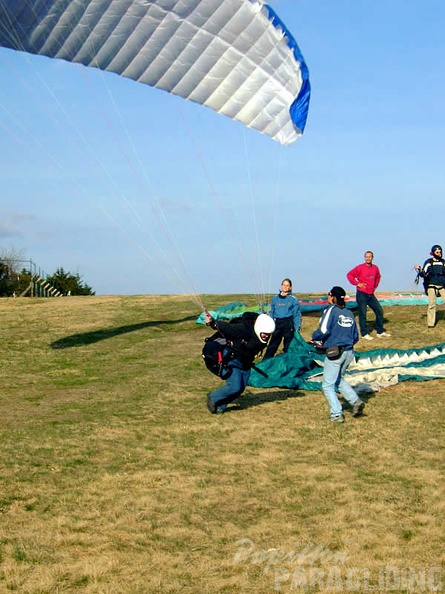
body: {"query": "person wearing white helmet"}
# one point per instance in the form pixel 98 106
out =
pixel 248 340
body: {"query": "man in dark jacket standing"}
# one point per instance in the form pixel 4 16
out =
pixel 248 340
pixel 337 331
pixel 433 273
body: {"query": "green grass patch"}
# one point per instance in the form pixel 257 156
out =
pixel 116 479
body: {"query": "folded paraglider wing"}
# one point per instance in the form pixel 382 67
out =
pixel 234 56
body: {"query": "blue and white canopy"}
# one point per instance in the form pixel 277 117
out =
pixel 235 56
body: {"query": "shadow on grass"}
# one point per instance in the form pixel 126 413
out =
pixel 249 400
pixel 85 338
pixel 365 397
pixel 440 314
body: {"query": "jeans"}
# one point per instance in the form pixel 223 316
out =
pixel 364 300
pixel 333 378
pixel 234 386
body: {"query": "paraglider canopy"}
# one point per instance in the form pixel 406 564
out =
pixel 234 56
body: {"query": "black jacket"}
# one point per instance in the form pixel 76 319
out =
pixel 246 344
pixel 433 271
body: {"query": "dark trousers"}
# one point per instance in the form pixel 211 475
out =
pixel 284 331
pixel 371 301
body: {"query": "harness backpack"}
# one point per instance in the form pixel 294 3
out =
pixel 218 350
pixel 217 353
pixel 424 282
pixel 424 278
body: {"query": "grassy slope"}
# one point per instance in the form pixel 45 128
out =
pixel 115 478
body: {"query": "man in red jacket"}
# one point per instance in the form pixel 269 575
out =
pixel 366 277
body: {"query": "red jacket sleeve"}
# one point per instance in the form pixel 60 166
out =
pixel 353 275
pixel 378 276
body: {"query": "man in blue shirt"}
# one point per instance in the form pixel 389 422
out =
pixel 337 332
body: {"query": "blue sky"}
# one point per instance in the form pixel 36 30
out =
pixel 142 192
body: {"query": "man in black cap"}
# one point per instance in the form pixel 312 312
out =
pixel 337 331
pixel 433 274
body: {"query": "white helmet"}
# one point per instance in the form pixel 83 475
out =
pixel 263 324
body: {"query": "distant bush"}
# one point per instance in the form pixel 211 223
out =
pixel 68 283
pixel 11 281
pixel 14 283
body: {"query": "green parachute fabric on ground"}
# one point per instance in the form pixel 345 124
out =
pixel 289 370
pixel 237 308
pixel 302 367
pixel 228 312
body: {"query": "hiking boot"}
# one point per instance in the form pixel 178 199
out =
pixel 357 408
pixel 337 419
pixel 382 334
pixel 367 337
pixel 211 406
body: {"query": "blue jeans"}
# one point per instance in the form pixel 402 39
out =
pixel 234 386
pixel 333 379
pixel 363 301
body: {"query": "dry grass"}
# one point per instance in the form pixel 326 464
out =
pixel 116 479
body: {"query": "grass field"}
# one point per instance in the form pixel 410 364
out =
pixel 116 479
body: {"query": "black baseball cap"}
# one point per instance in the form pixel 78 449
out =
pixel 339 293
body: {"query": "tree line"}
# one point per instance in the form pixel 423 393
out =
pixel 15 281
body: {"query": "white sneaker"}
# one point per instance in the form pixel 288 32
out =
pixel 367 337
pixel 382 334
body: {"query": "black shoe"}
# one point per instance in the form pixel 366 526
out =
pixel 211 406
pixel 357 408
